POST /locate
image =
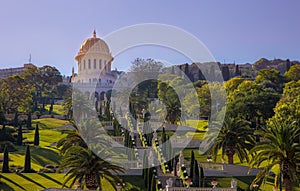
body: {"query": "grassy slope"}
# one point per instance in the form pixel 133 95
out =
pixel 47 154
pixel 42 155
pixel 58 109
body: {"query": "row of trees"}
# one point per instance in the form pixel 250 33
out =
pixel 27 162
pixel 262 125
pixel 30 91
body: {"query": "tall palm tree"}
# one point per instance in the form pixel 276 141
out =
pixel 87 168
pixel 88 134
pixel 281 149
pixel 234 137
pixel 72 139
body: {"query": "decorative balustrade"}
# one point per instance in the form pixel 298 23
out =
pixel 212 166
pixel 118 139
pixel 132 164
pixel 199 189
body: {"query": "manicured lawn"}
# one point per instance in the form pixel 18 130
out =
pixel 46 152
pixel 50 123
pixel 35 181
pixel 58 109
pixel 200 125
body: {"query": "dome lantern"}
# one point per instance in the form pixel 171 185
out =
pixel 93 45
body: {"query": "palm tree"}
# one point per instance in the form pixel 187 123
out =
pixel 87 168
pixel 89 133
pixel 280 148
pixel 235 136
pixel 72 139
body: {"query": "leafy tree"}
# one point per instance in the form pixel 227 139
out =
pixel 232 84
pixel 87 168
pixel 235 137
pixel 142 67
pixel 280 149
pixel 141 72
pixel 5 165
pixel 250 101
pixel 287 108
pixel 293 73
pixel 15 94
pixel 168 96
pixel 36 141
pixel 44 80
pixel 272 76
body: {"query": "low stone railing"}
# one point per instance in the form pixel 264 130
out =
pixel 118 139
pixel 212 166
pixel 132 164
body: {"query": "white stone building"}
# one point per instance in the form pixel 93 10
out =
pixel 94 74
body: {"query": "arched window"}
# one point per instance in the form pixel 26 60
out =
pixel 89 64
pixel 100 64
pixel 105 65
pixel 84 64
pixel 95 63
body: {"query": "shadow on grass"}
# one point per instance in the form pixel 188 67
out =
pixel 50 178
pixel 29 179
pixel 9 180
pixel 5 187
pixel 45 156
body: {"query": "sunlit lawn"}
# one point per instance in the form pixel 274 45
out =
pixel 58 109
pixel 35 181
pixel 47 153
pixel 50 123
pixel 200 125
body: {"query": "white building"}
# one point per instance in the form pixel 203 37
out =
pixel 94 68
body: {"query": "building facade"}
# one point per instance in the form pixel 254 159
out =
pixel 4 73
pixel 94 74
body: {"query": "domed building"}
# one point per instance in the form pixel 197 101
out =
pixel 94 68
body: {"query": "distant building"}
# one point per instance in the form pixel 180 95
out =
pixel 94 75
pixel 4 73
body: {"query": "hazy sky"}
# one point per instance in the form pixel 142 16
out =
pixel 53 30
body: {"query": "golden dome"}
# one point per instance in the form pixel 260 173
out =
pixel 93 44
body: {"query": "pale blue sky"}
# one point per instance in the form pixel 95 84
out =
pixel 53 30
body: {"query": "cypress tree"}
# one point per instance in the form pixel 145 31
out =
pixel 150 177
pixel 153 184
pixel 164 136
pixel 201 177
pixel 2 116
pixel 20 136
pixel 36 141
pixel 195 179
pixel 27 163
pixel 192 166
pixel 16 120
pixel 176 159
pixel 29 120
pixel 145 162
pixel 5 166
